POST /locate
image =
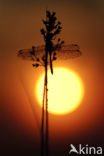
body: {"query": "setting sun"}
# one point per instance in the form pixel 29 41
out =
pixel 65 91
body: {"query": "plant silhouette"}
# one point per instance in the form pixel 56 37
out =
pixel 44 55
pixel 52 29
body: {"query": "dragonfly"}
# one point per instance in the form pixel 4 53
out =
pixel 37 53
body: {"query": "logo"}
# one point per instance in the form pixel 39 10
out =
pixel 85 150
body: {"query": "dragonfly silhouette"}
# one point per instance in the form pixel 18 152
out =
pixel 50 51
pixel 44 55
pixel 62 52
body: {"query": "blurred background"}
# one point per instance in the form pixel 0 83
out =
pixel 20 113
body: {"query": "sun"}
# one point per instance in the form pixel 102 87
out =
pixel 65 91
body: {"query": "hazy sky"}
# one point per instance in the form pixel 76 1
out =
pixel 20 24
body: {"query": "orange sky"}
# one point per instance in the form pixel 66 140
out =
pixel 20 24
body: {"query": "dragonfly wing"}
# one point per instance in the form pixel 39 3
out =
pixel 25 54
pixel 65 52
pixel 68 52
pixel 32 54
